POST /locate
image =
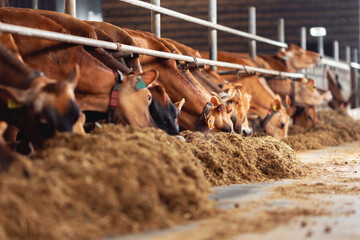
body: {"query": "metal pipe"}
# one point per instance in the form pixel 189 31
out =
pixel 252 30
pixel 203 22
pixel 32 32
pixel 156 20
pixel 303 38
pixel 320 45
pixel 348 54
pixel 213 32
pixel 336 50
pixel 281 32
pixel 70 7
pixel 356 78
pixel 35 4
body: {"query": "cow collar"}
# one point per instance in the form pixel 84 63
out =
pixel 203 115
pixel 268 118
pixel 114 97
pixel 222 84
pixel 32 76
pixel 283 60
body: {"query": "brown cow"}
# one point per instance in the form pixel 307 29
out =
pixel 305 117
pixel 96 80
pixel 303 92
pixel 34 103
pixel 266 105
pixel 338 101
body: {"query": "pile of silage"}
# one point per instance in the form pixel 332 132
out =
pixel 116 180
pixel 334 128
pixel 231 158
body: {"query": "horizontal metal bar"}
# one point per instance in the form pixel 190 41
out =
pixel 32 32
pixel 202 22
pixel 355 65
pixel 333 63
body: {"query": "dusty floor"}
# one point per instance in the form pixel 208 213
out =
pixel 323 205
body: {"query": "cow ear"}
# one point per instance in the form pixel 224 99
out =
pixel 226 87
pixel 180 104
pixel 287 101
pixel 73 77
pixel 304 80
pixel 210 122
pixel 17 97
pixel 311 82
pixel 149 76
pixel 276 105
pixel 215 100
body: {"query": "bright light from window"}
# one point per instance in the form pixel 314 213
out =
pixel 317 31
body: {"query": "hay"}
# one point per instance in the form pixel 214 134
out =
pixel 114 181
pixel 334 128
pixel 231 158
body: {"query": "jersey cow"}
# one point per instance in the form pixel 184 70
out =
pixel 34 103
pixel 267 106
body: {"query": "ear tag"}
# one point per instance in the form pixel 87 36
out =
pixel 140 84
pixel 11 104
pixel 211 126
pixel 311 88
pixel 275 108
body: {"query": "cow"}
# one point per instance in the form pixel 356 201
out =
pixel 6 156
pixel 302 92
pixel 34 103
pixel 267 106
pixel 305 117
pixel 338 101
pixel 128 103
pixel 235 96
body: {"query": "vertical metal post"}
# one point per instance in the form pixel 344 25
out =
pixel 320 45
pixel 281 31
pixel 213 32
pixel 303 38
pixel 356 78
pixel 348 54
pixel 336 50
pixel 70 7
pixel 252 30
pixel 35 4
pixel 155 20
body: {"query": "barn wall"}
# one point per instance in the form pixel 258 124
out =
pixel 340 18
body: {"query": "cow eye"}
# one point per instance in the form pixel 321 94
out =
pixel 230 102
pixel 149 98
pixel 282 125
pixel 310 118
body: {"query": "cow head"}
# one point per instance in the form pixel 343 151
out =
pixel 278 124
pixel 297 58
pixel 306 94
pixel 219 117
pixel 46 106
pixel 305 117
pixel 135 99
pixel 240 101
pixel 163 111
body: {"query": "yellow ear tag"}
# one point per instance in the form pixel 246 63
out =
pixel 11 104
pixel 211 126
pixel 310 87
pixel 275 108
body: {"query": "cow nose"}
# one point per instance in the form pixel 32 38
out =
pixel 225 129
pixel 246 131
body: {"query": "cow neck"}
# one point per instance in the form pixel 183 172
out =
pixel 114 96
pixel 284 87
pixel 17 73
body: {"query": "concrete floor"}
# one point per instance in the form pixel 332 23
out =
pixel 342 222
